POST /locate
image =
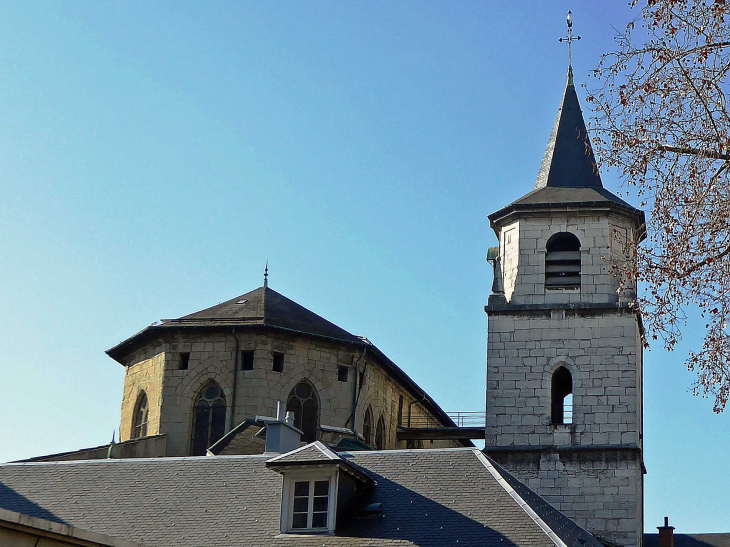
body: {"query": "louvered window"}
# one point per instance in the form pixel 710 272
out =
pixel 562 262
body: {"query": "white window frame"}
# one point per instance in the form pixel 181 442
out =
pixel 287 499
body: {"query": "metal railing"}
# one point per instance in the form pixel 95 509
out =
pixel 461 419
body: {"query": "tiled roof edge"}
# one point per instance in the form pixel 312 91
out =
pixel 520 501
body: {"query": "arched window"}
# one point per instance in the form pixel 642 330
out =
pixel 562 262
pixel 562 397
pixel 367 427
pixel 209 418
pixel 302 402
pixel 140 417
pixel 380 434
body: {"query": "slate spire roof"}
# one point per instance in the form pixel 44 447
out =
pixel 569 177
pixel 569 160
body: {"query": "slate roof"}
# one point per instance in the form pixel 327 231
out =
pixel 264 306
pixel 428 497
pixel 569 160
pixel 569 176
pixel 241 439
pixel 691 540
pixel 312 453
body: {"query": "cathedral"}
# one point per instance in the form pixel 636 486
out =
pixel 258 422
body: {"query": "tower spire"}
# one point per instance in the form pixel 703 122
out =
pixel 570 38
pixel 266 275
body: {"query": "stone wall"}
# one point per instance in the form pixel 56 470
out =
pixel 144 372
pixel 601 491
pixel 257 391
pixel 602 351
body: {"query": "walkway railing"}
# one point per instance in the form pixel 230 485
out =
pixel 460 418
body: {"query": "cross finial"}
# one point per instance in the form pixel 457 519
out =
pixel 570 39
pixel 266 274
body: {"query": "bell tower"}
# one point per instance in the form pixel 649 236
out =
pixel 565 339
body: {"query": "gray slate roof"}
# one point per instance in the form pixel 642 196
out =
pixel 241 440
pixel 428 497
pixel 265 306
pixel 568 175
pixel 311 453
pixel 569 160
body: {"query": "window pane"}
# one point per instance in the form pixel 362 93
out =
pixel 301 488
pixel 299 520
pixel 320 504
pixel 200 433
pixel 309 420
pixel 303 391
pixel 211 392
pixel 321 488
pixel 301 505
pixel 218 423
pixel 319 520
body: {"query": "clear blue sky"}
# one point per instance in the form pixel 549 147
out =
pixel 154 155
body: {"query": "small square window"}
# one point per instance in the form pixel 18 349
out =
pixel 309 505
pixel 247 360
pixel 342 373
pixel 184 361
pixel 278 362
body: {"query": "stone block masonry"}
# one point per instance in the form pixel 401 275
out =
pixel 172 392
pixel 602 353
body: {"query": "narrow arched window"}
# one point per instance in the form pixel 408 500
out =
pixel 209 418
pixel 367 427
pixel 140 417
pixel 302 402
pixel 562 397
pixel 380 434
pixel 562 262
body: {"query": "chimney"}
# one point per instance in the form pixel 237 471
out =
pixel 281 435
pixel 666 534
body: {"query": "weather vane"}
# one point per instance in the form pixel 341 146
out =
pixel 570 39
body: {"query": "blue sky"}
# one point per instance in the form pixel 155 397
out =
pixel 156 154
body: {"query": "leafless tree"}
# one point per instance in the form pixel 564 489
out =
pixel 661 119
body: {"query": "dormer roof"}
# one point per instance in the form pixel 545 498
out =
pixel 317 454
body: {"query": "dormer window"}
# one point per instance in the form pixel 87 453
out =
pixel 562 262
pixel 314 478
pixel 309 506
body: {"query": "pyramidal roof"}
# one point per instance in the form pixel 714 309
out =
pixel 569 160
pixel 266 307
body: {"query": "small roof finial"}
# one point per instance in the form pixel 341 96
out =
pixel 266 274
pixel 570 38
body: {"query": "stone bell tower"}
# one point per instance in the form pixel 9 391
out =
pixel 564 349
